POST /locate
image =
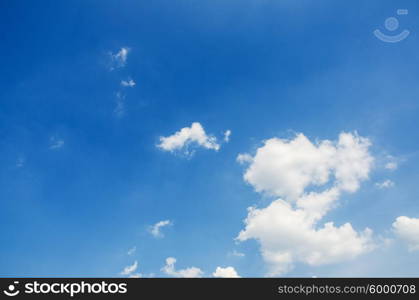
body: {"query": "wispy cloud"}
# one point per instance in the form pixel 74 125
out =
pixel 119 109
pixel 132 250
pixel 155 229
pixel 55 143
pixel 391 166
pixel 244 158
pixel 119 59
pixel 20 162
pixel 236 254
pixel 392 163
pixel 385 184
pixel 128 270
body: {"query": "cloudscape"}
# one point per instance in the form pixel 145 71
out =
pixel 221 139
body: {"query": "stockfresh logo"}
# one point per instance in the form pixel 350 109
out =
pixel 66 288
pixel 12 290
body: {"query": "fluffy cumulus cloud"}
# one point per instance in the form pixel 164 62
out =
pixel 287 235
pixel 129 270
pixel 286 167
pixel 170 270
pixel 227 272
pixel 155 229
pixel 187 136
pixel 307 180
pixel 407 229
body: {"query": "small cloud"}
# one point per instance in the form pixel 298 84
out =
pixel 128 83
pixel 128 270
pixel 119 110
pixel 227 135
pixel 119 59
pixel 391 166
pixel 170 270
pixel 228 272
pixel 136 275
pixel 20 162
pixel 392 162
pixel 132 250
pixel 155 229
pixel 236 254
pixel 244 158
pixel 183 138
pixel 55 143
pixel 385 184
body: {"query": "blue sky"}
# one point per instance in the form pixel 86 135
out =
pixel 82 175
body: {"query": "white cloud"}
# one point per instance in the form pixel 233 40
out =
pixel 236 253
pixel 407 229
pixel 187 136
pixel 128 83
pixel 228 272
pixel 170 270
pixel 119 110
pixel 385 184
pixel 132 250
pixel 128 270
pixel 290 235
pixel 244 158
pixel 227 135
pixel 119 59
pixel 317 204
pixel 289 229
pixel 392 162
pixel 286 167
pixel 55 143
pixel 391 166
pixel 155 229
pixel 136 275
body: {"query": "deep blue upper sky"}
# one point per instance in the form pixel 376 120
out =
pixel 260 68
